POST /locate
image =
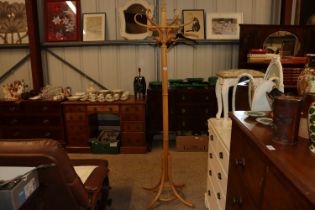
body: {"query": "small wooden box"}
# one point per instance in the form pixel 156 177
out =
pixel 192 143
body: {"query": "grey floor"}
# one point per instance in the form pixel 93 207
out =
pixel 130 172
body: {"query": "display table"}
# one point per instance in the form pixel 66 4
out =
pixel 227 79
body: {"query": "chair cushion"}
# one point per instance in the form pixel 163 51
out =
pixel 84 172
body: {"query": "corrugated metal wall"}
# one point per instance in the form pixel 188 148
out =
pixel 116 66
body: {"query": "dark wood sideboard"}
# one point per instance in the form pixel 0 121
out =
pixel 31 119
pixel 73 123
pixel 259 178
pixel 189 110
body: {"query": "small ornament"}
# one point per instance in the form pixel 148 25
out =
pixel 139 86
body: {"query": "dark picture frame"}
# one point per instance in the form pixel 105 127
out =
pixel 194 23
pixel 62 20
pixel 93 26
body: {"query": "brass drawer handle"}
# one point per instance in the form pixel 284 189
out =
pixel 183 110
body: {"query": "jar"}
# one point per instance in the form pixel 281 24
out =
pixel 306 79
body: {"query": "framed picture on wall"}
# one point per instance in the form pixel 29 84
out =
pixel 194 24
pixel 223 25
pixel 94 26
pixel 62 20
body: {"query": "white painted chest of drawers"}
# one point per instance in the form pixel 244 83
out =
pixel 218 162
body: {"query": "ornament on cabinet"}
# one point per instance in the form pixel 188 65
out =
pixel 14 90
pixel 139 86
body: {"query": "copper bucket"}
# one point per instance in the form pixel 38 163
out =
pixel 286 119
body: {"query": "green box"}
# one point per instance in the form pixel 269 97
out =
pixel 100 147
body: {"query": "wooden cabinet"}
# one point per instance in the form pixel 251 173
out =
pixel 189 109
pixel 81 123
pixel 31 119
pixel 269 179
pixel 218 160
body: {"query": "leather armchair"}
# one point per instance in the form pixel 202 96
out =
pixel 60 186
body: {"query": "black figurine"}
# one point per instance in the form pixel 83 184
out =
pixel 139 86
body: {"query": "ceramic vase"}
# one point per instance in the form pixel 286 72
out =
pixel 311 126
pixel 306 79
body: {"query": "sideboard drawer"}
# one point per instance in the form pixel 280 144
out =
pixel 75 116
pixel 132 139
pixel 74 108
pixel 103 108
pixel 132 126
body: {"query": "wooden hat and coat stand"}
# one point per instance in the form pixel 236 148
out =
pixel 166 36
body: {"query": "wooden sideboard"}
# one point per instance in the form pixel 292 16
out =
pixel 260 178
pixel 31 119
pixel 80 123
pixel 189 109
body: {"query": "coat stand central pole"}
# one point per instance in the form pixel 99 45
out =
pixel 167 35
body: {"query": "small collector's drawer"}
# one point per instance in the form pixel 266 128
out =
pixel 103 108
pixel 75 116
pixel 74 108
pixel 10 107
pixel 42 107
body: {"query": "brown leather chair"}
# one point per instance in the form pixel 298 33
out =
pixel 60 186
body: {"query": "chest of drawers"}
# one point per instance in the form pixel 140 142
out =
pixel 189 109
pixel 218 163
pixel 31 119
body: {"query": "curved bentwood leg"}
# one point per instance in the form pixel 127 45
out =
pixel 218 90
pixel 166 181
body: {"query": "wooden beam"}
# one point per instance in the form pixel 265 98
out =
pixel 34 43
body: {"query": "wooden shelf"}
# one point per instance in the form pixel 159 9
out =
pixel 128 42
pixel 14 46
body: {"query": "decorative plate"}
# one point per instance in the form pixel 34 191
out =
pixel 255 114
pixel 264 120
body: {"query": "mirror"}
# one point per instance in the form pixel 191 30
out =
pixel 284 43
pixel 129 29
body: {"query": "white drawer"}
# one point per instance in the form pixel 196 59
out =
pixel 223 156
pixel 219 195
pixel 218 175
pixel 211 197
pixel 212 138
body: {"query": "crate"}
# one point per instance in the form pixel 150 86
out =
pixel 192 143
pixel 101 147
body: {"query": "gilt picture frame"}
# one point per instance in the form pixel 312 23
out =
pixel 223 25
pixel 94 26
pixel 194 23
pixel 62 20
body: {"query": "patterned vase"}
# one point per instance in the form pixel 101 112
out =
pixel 311 126
pixel 306 79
